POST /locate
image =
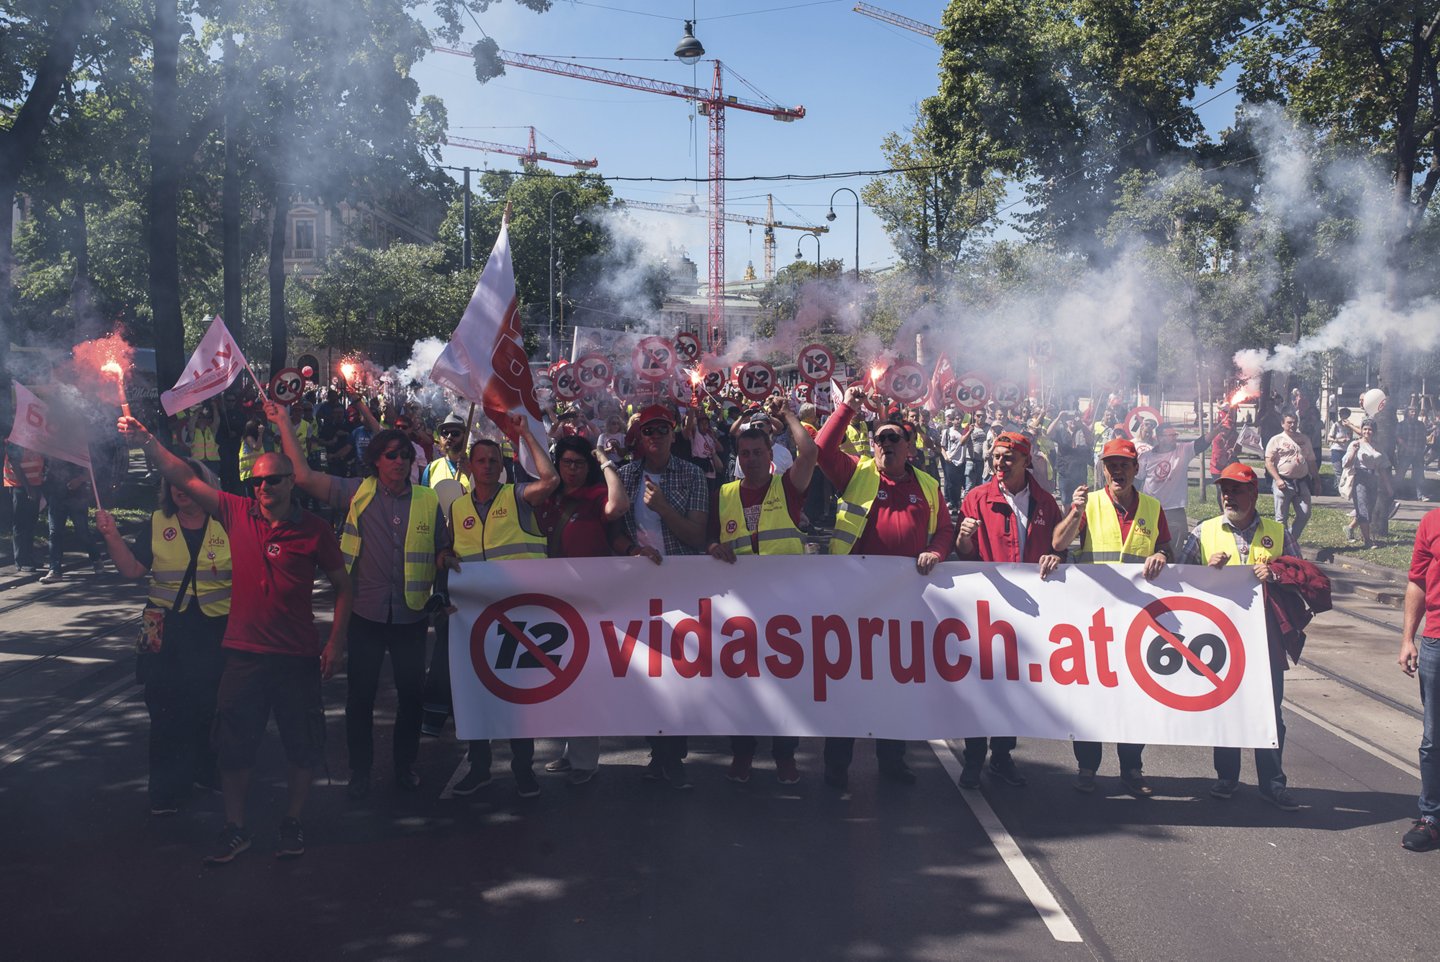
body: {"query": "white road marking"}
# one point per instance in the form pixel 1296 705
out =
pixel 461 771
pixel 1359 743
pixel 1035 889
pixel 36 736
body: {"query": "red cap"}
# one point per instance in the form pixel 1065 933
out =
pixel 1119 448
pixel 1015 441
pixel 655 412
pixel 1241 473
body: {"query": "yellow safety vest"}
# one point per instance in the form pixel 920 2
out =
pixel 1101 542
pixel 248 456
pixel 305 434
pixel 1216 534
pixel 496 537
pixel 440 470
pixel 856 440
pixel 1100 431
pixel 204 446
pixel 419 539
pixel 854 505
pixel 211 586
pixel 778 534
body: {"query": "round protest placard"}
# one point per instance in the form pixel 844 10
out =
pixel 1185 653
pixel 528 648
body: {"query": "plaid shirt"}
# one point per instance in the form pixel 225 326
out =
pixel 683 485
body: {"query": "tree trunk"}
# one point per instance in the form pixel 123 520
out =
pixel 231 261
pixel 163 228
pixel 279 330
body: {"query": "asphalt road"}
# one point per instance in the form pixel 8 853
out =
pixel 622 869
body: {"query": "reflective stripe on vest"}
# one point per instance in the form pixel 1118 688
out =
pixel 211 586
pixel 1101 543
pixel 855 440
pixel 419 553
pixel 1216 536
pixel 498 536
pixel 853 506
pixel 777 532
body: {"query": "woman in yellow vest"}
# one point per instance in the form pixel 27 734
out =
pixel 187 555
pixel 496 521
pixel 251 447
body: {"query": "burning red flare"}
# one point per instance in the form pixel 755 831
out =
pixel 348 370
pixel 100 367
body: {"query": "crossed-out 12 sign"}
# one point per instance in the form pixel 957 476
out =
pixel 653 358
pixel 528 648
pixel 816 363
pixel 287 385
pixel 594 372
pixel 971 391
pixel 1142 413
pixel 567 382
pixel 905 382
pixel 755 379
pixel 687 345
pixel 714 381
pixel 1008 394
pixel 1185 653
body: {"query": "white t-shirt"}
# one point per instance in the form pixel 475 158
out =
pixel 648 526
pixel 1164 476
pixel 1020 504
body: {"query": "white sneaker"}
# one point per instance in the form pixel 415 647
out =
pixel 51 577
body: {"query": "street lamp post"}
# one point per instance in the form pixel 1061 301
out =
pixel 816 237
pixel 550 341
pixel 831 216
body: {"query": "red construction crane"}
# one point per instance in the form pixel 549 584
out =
pixel 895 19
pixel 527 154
pixel 712 103
pixel 768 221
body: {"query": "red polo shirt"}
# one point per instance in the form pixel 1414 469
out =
pixel 270 609
pixel 1425 568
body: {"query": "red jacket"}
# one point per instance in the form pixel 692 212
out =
pixel 998 537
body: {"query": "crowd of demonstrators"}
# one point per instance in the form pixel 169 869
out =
pixel 730 480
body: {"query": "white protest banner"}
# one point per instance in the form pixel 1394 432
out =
pixel 859 646
pixel 36 429
pixel 214 366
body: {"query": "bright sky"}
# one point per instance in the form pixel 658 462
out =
pixel 858 79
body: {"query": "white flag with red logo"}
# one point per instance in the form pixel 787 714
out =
pixel 940 383
pixel 214 366
pixel 485 361
pixel 38 428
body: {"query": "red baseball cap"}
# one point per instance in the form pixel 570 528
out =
pixel 655 412
pixel 1119 448
pixel 1015 441
pixel 1239 473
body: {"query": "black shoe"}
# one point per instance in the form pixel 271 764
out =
pixel 163 808
pixel 233 840
pixel 474 780
pixel 290 840
pixel 654 772
pixel 407 781
pixel 970 775
pixel 1003 768
pixel 898 771
pixel 1422 837
pixel 359 787
pixel 526 784
pixel 1136 784
pixel 675 774
pixel 837 777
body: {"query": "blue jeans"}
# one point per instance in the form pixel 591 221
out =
pixel 1269 775
pixel 1296 494
pixel 1430 699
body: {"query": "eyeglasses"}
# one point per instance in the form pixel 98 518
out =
pixel 574 463
pixel 655 430
pixel 889 437
pixel 394 453
pixel 270 479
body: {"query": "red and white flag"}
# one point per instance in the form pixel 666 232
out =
pixel 485 361
pixel 214 366
pixel 940 383
pixel 38 430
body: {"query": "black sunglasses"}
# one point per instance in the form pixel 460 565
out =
pixel 260 479
pixel 889 437
pixel 394 453
pixel 451 432
pixel 655 430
